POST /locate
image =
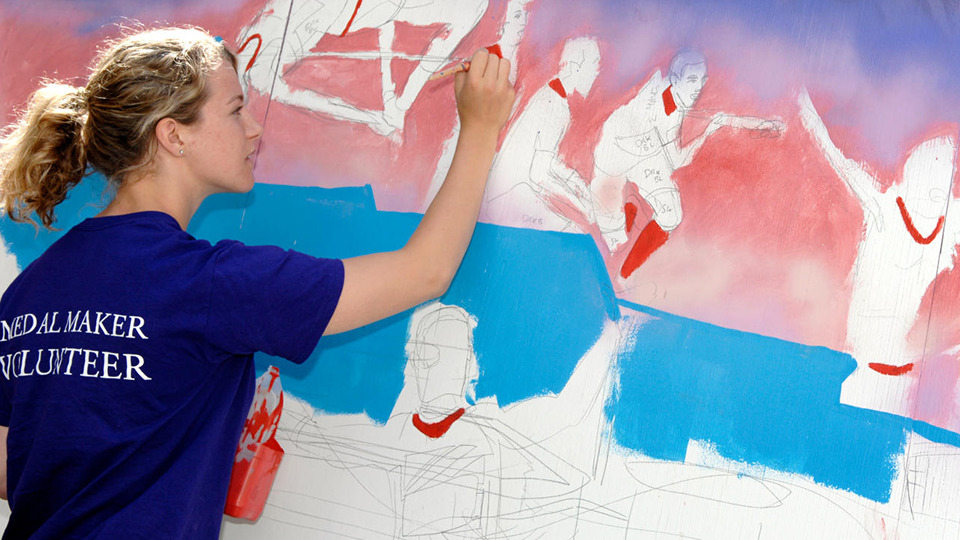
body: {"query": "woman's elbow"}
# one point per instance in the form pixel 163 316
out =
pixel 436 282
pixel 424 276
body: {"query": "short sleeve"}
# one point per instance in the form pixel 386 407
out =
pixel 272 300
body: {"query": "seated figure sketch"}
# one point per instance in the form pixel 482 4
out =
pixel 286 32
pixel 907 241
pixel 640 143
pixel 446 465
pixel 530 185
pixel 523 472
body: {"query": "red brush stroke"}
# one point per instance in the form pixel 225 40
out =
pixel 651 238
pixel 437 429
pixel 669 105
pixel 908 221
pixel 352 17
pixel 411 39
pixel 887 369
pixel 630 213
pixel 274 376
pixel 255 53
pixel 361 40
pixel 557 87
pixel 495 49
pixel 348 78
pixel 261 421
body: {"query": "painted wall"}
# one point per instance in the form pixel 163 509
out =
pixel 712 300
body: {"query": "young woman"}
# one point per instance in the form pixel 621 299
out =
pixel 126 365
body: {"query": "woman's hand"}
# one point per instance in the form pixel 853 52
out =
pixel 484 93
pixel 381 284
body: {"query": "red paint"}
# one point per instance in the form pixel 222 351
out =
pixel 347 78
pixel 650 239
pixel 411 39
pixel 437 429
pixel 908 221
pixel 256 53
pixel 630 213
pixel 274 377
pixel 263 422
pixel 360 40
pixel 251 480
pixel 887 369
pixel 352 17
pixel 415 39
pixel 255 470
pixel 563 206
pixel 669 105
pixel 557 87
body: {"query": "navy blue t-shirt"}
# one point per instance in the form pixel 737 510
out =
pixel 126 373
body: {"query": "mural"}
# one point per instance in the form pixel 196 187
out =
pixel 712 293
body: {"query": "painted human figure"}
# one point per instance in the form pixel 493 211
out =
pixel 640 144
pixel 447 465
pixel 907 241
pixel 285 32
pixel 511 33
pixel 535 453
pixel 530 185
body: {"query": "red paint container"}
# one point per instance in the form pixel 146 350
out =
pixel 258 454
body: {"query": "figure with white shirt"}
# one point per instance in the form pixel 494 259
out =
pixel 640 143
pixel 511 33
pixel 530 184
pixel 907 241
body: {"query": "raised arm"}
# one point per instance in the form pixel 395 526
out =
pixel 681 157
pixel 379 285
pixel 861 183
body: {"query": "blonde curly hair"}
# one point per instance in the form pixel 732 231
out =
pixel 107 125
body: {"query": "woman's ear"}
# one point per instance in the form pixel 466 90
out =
pixel 168 137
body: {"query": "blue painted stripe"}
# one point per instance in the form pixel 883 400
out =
pixel 757 400
pixel 541 299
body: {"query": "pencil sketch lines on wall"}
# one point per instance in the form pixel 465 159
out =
pixel 292 32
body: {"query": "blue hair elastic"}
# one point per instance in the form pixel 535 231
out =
pixel 218 39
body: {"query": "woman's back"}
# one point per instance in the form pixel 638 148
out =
pixel 126 353
pixel 127 392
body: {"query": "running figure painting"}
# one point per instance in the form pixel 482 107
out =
pixel 285 33
pixel 712 291
pixel 641 144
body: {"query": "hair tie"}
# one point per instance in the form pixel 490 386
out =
pixel 218 39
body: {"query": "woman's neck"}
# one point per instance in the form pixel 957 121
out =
pixel 151 193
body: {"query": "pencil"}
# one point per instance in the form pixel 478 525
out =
pixel 462 66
